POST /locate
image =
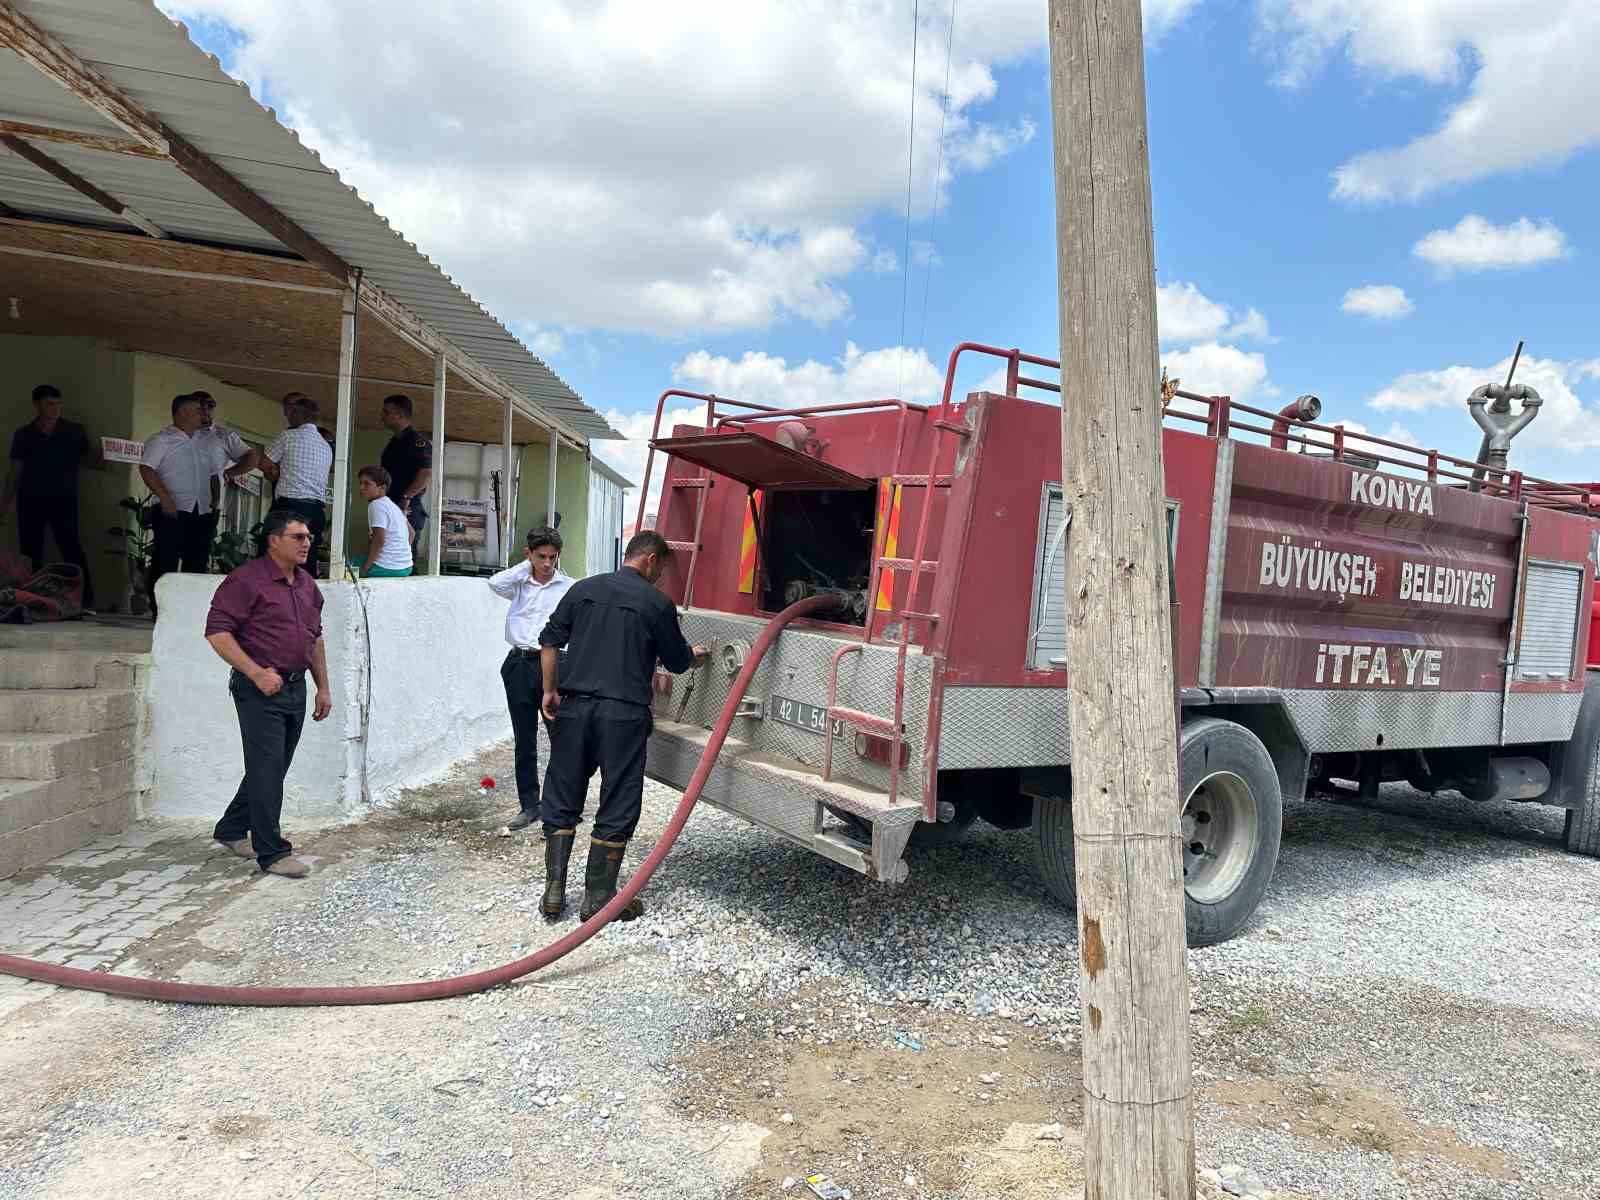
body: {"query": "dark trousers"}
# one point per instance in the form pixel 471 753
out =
pixel 58 514
pixel 182 541
pixel 314 513
pixel 270 728
pixel 524 680
pixel 592 733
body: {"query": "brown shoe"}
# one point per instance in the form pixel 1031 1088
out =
pixel 289 868
pixel 242 847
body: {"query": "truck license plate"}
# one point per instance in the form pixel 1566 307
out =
pixel 803 715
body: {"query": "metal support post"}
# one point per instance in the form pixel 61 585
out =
pixel 508 520
pixel 343 425
pixel 550 497
pixel 436 531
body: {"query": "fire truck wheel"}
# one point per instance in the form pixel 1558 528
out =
pixel 1232 822
pixel 1582 833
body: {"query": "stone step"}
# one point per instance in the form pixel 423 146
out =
pixel 27 669
pixel 66 710
pixel 40 821
pixel 58 755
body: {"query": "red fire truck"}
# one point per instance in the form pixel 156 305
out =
pixel 1347 608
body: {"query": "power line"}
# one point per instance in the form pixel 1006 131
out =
pixel 933 218
pixel 911 149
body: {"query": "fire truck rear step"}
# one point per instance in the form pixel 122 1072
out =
pixel 790 798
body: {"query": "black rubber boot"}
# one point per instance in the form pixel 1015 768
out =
pixel 600 880
pixel 557 851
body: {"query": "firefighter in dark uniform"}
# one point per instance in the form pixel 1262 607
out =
pixel 409 460
pixel 615 628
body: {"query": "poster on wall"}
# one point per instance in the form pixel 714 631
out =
pixel 464 524
pixel 121 450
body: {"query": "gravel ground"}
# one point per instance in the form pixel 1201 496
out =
pixel 1414 1013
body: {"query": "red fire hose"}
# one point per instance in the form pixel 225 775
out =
pixel 461 985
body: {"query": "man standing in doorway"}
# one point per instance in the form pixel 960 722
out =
pixel 615 628
pixel 534 586
pixel 266 623
pixel 297 462
pixel 45 456
pixel 409 460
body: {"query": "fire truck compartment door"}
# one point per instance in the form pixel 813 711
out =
pixel 761 463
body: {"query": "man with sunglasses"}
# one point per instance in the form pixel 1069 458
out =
pixel 266 623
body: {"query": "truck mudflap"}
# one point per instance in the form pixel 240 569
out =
pixel 790 799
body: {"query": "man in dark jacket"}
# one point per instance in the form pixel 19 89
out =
pixel 615 627
pixel 45 456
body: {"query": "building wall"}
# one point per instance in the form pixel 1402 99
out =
pixel 572 501
pixel 157 380
pixel 96 382
pixel 436 646
pixel 605 524
pixel 366 449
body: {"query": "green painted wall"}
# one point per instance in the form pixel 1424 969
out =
pixel 572 501
pixel 96 382
pixel 157 380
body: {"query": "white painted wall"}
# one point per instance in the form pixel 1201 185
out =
pixel 605 525
pixel 436 649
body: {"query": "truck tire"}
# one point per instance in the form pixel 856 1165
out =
pixel 1575 767
pixel 1232 821
pixel 1582 832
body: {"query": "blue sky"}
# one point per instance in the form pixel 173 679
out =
pixel 670 212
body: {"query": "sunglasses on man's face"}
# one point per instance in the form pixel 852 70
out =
pixel 297 537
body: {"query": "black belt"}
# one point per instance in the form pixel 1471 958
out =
pixel 524 652
pixel 288 677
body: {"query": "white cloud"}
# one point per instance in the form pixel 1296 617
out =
pixel 1395 433
pixel 1531 96
pixel 768 379
pixel 1565 424
pixel 1476 245
pixel 671 169
pixel 1213 369
pixel 1253 326
pixel 1185 314
pixel 1380 301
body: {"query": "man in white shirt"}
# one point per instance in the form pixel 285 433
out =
pixel 178 465
pixel 534 587
pixel 297 462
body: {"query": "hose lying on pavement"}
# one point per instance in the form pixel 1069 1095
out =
pixel 460 985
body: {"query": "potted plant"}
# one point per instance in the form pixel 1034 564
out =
pixel 233 550
pixel 137 541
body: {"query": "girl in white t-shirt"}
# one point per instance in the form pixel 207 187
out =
pixel 389 539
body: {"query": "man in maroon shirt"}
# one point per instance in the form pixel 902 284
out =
pixel 266 623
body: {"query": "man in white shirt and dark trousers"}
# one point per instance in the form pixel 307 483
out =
pixel 534 587
pixel 297 462
pixel 178 466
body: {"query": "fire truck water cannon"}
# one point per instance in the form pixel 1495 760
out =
pixel 1490 406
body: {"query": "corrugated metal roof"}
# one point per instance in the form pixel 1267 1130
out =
pixel 599 466
pixel 152 60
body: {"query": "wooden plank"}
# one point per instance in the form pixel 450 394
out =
pixel 1133 975
pixel 61 64
pixel 79 184
pixel 84 141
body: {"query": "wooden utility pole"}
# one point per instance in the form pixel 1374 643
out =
pixel 1133 978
